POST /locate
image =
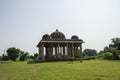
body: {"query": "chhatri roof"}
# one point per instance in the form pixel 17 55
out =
pixel 75 37
pixel 46 37
pixel 59 37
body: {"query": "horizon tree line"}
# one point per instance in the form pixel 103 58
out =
pixel 110 52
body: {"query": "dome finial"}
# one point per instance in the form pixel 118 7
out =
pixel 56 30
pixel 57 35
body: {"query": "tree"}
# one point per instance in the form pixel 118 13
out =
pixel 90 52
pixel 115 54
pixel 113 48
pixel 0 58
pixel 13 53
pixel 115 43
pixel 36 55
pixel 108 55
pixel 23 56
pixel 31 57
pixel 4 57
pixel 107 49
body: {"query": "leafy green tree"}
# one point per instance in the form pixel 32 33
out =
pixel 0 58
pixel 90 52
pixel 23 56
pixel 113 48
pixel 4 57
pixel 115 54
pixel 13 53
pixel 115 43
pixel 36 55
pixel 31 57
pixel 107 49
pixel 108 55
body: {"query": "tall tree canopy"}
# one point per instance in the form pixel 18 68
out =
pixel 23 55
pixel 13 53
pixel 112 50
pixel 115 43
pixel 90 52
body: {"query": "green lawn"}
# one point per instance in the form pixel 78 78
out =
pixel 88 70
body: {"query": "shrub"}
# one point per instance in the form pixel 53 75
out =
pixel 31 61
pixel 108 55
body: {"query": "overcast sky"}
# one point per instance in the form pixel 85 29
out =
pixel 24 22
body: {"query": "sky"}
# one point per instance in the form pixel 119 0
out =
pixel 24 22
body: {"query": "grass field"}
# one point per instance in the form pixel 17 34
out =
pixel 88 70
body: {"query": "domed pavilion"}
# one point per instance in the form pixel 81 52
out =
pixel 56 47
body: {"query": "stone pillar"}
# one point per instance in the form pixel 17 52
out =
pixel 81 55
pixel 63 51
pixel 76 52
pixel 47 55
pixel 69 50
pixel 56 52
pixel 58 49
pixel 41 51
pixel 50 52
pixel 73 50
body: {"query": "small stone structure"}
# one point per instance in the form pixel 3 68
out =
pixel 57 47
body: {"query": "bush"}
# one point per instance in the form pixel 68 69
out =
pixel 108 55
pixel 86 57
pixel 31 61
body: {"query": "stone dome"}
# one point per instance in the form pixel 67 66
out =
pixel 46 36
pixel 57 35
pixel 74 37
